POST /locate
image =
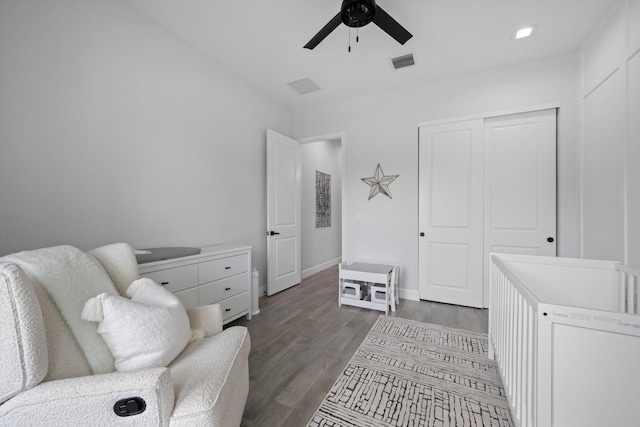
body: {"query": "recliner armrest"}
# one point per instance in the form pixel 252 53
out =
pixel 206 318
pixel 90 400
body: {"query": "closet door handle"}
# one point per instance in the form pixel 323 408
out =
pixel 164 283
pixel 227 289
pixel 550 239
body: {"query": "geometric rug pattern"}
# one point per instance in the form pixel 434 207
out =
pixel 408 373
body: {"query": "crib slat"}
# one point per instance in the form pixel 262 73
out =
pixel 531 351
pixel 632 286
pixel 629 282
pixel 629 288
pixel 622 291
pixel 520 356
pixel 636 292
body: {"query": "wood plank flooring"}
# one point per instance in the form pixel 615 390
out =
pixel 301 341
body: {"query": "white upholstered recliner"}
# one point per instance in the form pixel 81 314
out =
pixel 55 368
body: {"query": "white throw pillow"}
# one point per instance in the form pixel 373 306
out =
pixel 23 344
pixel 147 331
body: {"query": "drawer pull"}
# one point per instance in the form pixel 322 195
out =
pixel 227 268
pixel 227 309
pixel 164 283
pixel 227 289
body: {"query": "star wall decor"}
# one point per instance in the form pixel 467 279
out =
pixel 380 183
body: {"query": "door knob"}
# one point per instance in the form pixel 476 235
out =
pixel 421 234
pixel 550 239
pixel 271 233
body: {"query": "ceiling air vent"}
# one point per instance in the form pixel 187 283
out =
pixel 403 61
pixel 303 86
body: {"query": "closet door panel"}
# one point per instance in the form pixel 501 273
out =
pixel 520 185
pixel 515 178
pixel 450 178
pixel 450 201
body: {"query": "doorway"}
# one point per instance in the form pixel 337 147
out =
pixel 304 233
pixel 321 205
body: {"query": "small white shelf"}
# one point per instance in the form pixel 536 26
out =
pixel 367 275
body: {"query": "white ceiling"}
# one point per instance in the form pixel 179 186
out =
pixel 262 40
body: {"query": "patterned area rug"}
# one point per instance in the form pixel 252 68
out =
pixel 408 373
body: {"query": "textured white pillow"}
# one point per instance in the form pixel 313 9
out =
pixel 147 331
pixel 23 344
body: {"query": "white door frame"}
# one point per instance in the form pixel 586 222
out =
pixel 490 114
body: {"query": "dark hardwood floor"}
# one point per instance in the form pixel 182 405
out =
pixel 301 341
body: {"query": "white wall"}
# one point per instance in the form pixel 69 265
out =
pixel 610 137
pixel 321 247
pixel 112 129
pixel 384 129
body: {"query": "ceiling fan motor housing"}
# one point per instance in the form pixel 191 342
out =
pixel 357 13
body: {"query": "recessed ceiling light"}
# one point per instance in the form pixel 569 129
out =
pixel 523 32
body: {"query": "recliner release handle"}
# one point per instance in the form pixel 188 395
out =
pixel 129 406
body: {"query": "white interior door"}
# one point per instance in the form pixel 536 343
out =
pixel 520 185
pixel 284 261
pixel 450 219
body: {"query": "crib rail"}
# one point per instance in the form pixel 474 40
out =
pixel 539 374
pixel 513 331
pixel 629 295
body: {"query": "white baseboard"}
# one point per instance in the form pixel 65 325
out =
pixel 318 268
pixel 410 294
pixel 262 290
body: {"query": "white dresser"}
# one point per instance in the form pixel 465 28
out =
pixel 219 274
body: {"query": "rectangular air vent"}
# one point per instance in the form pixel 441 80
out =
pixel 303 86
pixel 403 61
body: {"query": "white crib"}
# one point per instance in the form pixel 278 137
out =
pixel 565 334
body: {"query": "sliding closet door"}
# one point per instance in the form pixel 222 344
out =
pixel 486 185
pixel 520 185
pixel 450 218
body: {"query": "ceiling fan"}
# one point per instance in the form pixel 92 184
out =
pixel 358 13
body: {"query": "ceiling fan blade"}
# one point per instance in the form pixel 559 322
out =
pixel 324 32
pixel 383 20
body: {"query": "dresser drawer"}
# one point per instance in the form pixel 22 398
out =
pixel 235 305
pixel 222 289
pixel 189 297
pixel 223 267
pixel 176 279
